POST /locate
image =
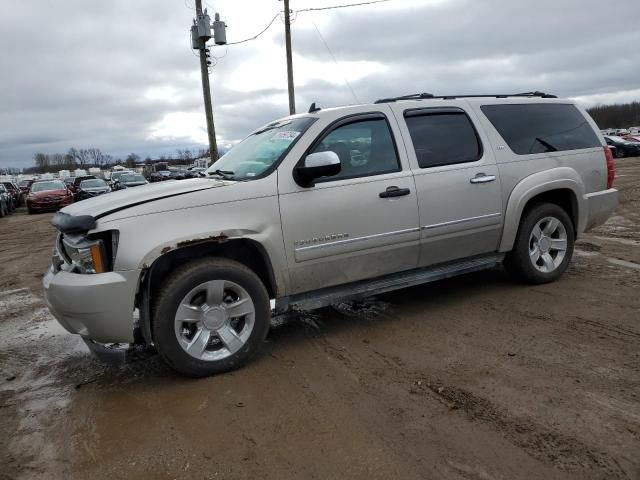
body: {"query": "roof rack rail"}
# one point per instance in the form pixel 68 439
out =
pixel 421 96
pixel 414 96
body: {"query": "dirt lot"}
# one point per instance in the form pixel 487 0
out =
pixel 471 378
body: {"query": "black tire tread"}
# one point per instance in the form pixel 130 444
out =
pixel 517 261
pixel 193 367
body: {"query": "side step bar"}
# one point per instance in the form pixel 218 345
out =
pixel 364 288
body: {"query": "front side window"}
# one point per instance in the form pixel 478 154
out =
pixel 365 148
pixel 261 151
pixel 443 138
pixel 539 128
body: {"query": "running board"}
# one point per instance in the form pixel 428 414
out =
pixel 365 288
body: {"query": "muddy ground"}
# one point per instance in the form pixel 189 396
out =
pixel 470 378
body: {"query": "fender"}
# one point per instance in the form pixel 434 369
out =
pixel 546 181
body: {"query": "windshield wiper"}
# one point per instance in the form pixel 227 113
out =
pixel 225 174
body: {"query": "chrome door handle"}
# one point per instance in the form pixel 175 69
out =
pixel 482 178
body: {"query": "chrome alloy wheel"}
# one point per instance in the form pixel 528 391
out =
pixel 214 320
pixel 547 244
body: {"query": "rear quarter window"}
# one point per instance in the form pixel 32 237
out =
pixel 540 128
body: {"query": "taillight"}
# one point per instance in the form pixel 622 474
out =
pixel 611 169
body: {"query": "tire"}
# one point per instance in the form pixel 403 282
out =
pixel 534 260
pixel 2 209
pixel 619 153
pixel 230 288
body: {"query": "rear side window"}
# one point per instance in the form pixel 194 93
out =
pixel 539 128
pixel 442 137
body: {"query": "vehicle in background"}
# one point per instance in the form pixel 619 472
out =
pixel 69 181
pixel 621 131
pixel 178 174
pixel 165 173
pixel 198 171
pixel 77 180
pixel 46 195
pixel 623 147
pixel 155 177
pixel 91 188
pixel 15 192
pixel 115 176
pixel 632 138
pixel 62 174
pixel 5 202
pixel 634 130
pixel 25 186
pixel 129 180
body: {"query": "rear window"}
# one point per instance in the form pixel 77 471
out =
pixel 540 128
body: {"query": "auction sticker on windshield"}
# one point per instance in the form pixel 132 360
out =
pixel 285 135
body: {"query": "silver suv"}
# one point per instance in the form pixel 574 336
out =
pixel 325 206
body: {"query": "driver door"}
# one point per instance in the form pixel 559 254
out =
pixel 361 223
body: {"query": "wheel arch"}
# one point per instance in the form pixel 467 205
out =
pixel 245 251
pixel 561 186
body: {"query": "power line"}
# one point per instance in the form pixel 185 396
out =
pixel 336 62
pixel 258 34
pixel 305 10
pixel 342 6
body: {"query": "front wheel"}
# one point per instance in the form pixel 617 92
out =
pixel 543 246
pixel 210 317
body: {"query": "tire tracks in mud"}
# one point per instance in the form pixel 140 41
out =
pixel 378 373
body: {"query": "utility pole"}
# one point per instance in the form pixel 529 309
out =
pixel 287 38
pixel 200 34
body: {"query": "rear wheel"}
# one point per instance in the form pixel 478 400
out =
pixel 543 246
pixel 210 317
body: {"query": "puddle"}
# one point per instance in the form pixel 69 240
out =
pixel 623 241
pixel 624 263
pixel 584 253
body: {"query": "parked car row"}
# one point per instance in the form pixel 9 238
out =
pixel 627 146
pixel 7 205
pixel 179 174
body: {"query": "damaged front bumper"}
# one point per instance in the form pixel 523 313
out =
pixel 98 307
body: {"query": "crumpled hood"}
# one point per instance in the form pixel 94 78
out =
pixel 104 204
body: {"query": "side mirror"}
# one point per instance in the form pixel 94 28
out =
pixel 316 165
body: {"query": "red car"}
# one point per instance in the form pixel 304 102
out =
pixel 48 195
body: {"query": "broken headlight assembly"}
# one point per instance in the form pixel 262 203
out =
pixel 95 254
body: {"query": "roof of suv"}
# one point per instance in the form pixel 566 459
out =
pixel 422 98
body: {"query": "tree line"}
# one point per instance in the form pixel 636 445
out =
pixel 93 157
pixel 616 116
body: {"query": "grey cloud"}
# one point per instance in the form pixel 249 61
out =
pixel 75 73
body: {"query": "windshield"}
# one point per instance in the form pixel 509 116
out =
pixel 92 183
pixel 132 178
pixel 53 185
pixel 261 150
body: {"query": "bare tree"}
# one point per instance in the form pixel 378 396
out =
pixel 132 159
pixel 42 160
pixel 57 159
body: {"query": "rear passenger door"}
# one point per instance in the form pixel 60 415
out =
pixel 459 195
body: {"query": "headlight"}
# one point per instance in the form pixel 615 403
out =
pixel 87 256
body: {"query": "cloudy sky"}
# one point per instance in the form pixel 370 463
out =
pixel 119 75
